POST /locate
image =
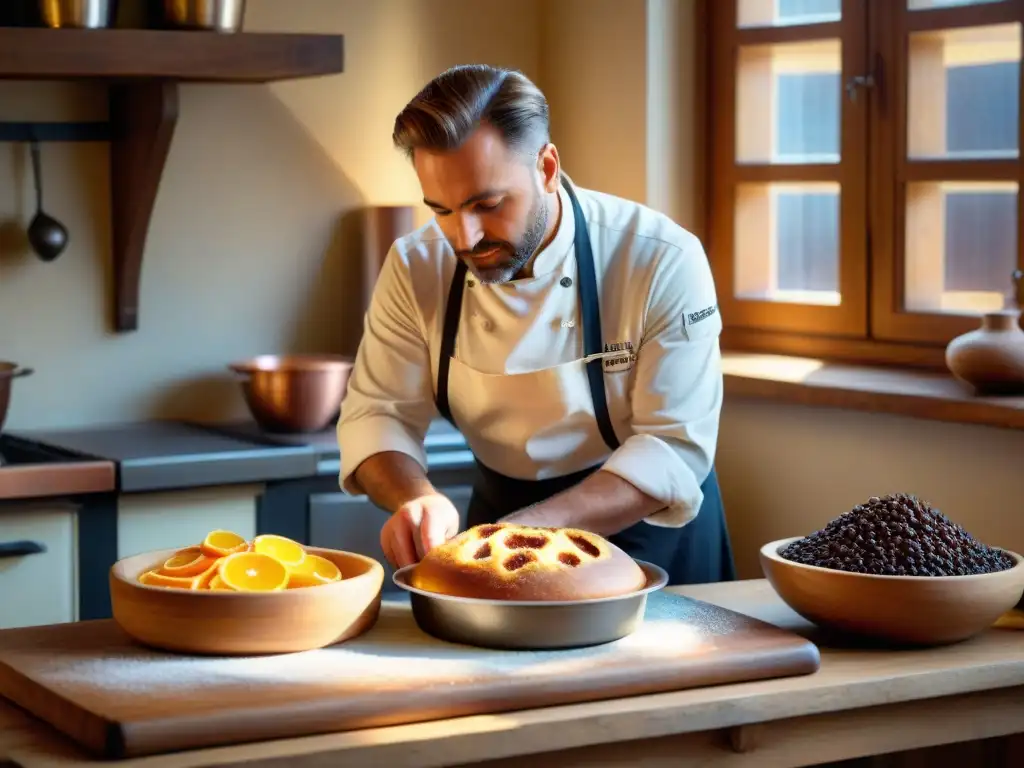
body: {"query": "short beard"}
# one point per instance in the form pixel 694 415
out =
pixel 520 254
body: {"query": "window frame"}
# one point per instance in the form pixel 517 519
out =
pixel 870 325
pixel 889 320
pixel 725 175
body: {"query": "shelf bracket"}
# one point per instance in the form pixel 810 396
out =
pixel 141 69
pixel 143 116
pixel 26 132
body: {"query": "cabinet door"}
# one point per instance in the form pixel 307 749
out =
pixel 38 587
pixel 353 523
pixel 148 521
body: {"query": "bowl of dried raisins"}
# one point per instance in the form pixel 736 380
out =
pixel 895 569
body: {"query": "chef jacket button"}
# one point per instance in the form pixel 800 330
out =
pixel 469 283
pixel 488 325
pixel 565 282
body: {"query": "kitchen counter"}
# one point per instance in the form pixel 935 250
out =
pixel 861 702
pixel 166 455
pixel 173 455
pixel 446 447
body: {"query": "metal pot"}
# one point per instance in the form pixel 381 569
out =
pixel 294 394
pixel 8 372
pixel 216 15
pixel 78 14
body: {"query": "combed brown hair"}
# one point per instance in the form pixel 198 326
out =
pixel 456 102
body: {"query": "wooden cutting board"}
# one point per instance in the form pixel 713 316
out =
pixel 118 699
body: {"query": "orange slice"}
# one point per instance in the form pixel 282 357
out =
pixel 187 562
pixel 312 572
pixel 217 583
pixel 223 543
pixel 290 553
pixel 203 579
pixel 253 572
pixel 156 579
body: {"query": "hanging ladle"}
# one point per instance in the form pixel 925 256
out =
pixel 47 236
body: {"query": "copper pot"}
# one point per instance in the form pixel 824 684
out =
pixel 294 393
pixel 216 15
pixel 8 372
pixel 79 14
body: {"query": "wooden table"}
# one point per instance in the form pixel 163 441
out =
pixel 860 703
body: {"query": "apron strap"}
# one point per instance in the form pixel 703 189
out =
pixel 452 314
pixel 590 311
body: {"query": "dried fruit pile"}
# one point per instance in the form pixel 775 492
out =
pixel 896 535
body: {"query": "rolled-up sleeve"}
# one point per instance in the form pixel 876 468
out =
pixel 677 389
pixel 389 403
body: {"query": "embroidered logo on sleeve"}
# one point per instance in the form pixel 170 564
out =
pixel 701 323
pixel 692 318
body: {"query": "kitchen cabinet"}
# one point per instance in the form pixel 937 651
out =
pixel 38 564
pixel 353 523
pixel 148 521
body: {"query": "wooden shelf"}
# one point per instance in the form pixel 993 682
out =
pixel 149 54
pixel 142 69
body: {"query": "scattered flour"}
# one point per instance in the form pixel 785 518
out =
pixel 392 655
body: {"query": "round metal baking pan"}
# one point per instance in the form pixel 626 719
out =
pixel 530 625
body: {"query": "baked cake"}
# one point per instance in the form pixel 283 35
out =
pixel 514 562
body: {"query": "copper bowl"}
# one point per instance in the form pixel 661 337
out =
pixel 294 393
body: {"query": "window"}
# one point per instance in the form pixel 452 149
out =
pixel 864 171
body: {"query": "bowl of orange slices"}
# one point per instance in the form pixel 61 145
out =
pixel 229 595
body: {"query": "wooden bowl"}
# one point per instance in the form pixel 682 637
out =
pixel 247 623
pixel 909 610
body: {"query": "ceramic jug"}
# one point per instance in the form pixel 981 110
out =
pixel 991 358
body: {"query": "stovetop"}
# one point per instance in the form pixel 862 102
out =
pixel 29 470
pixel 15 452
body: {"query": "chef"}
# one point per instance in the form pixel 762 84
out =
pixel 572 337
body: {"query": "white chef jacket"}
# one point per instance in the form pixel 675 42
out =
pixel 657 299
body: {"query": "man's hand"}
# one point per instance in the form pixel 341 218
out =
pixel 418 526
pixel 421 518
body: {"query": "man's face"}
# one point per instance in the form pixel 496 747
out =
pixel 489 202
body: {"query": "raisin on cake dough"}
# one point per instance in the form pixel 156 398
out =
pixel 514 562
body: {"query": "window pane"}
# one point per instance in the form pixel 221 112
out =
pixel 961 246
pixel 787 242
pixel 964 93
pixel 793 90
pixel 778 13
pixel 923 5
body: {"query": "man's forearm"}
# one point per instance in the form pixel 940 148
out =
pixel 603 503
pixel 392 478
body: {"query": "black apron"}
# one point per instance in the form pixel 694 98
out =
pixel 697 553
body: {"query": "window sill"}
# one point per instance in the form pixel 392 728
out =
pixel 814 382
